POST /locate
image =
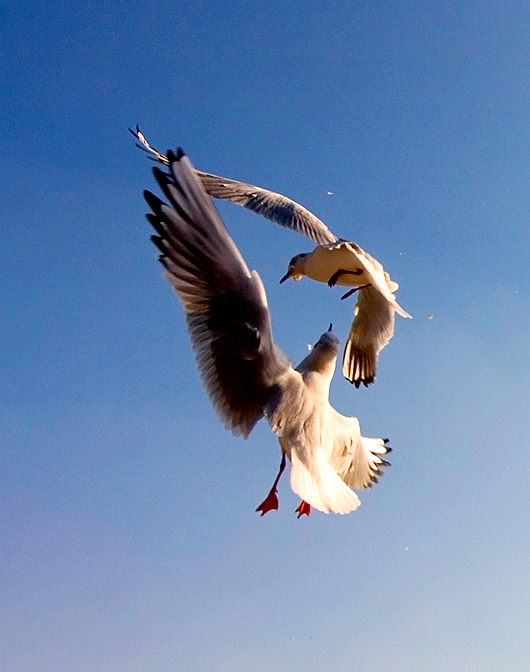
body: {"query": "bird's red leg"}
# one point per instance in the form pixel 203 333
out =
pixel 271 501
pixel 304 509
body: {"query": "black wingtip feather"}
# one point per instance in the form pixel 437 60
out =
pixel 160 175
pixel 362 381
pixel 162 259
pixel 135 133
pixel 175 156
pixel 157 226
pixel 163 179
pixel 153 201
pixel 159 242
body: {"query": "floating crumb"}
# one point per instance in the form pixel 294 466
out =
pixel 309 347
pixel 430 316
pixel 329 193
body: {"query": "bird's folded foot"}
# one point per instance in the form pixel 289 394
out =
pixel 333 279
pixel 352 291
pixel 336 276
pixel 304 509
pixel 348 293
pixel 270 503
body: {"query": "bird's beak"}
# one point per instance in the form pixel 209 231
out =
pixel 286 276
pixel 330 327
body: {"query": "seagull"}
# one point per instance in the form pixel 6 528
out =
pixel 334 261
pixel 245 374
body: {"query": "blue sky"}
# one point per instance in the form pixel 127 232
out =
pixel 128 532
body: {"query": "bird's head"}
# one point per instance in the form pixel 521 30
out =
pixel 328 342
pixel 322 357
pixel 295 270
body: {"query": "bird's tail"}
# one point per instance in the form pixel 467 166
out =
pixel 320 485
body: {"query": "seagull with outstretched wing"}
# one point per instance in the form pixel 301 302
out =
pixel 333 261
pixel 245 374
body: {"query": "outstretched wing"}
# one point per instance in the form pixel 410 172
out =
pixel 373 325
pixel 225 304
pixel 371 329
pixel 269 204
pixel 356 459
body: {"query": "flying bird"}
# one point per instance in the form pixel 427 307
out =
pixel 245 374
pixel 334 261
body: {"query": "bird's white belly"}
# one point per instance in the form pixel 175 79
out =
pixel 305 435
pixel 323 262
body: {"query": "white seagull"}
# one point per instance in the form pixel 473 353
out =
pixel 245 374
pixel 334 261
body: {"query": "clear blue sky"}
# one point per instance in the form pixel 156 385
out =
pixel 129 541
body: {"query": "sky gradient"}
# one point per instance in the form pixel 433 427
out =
pixel 129 541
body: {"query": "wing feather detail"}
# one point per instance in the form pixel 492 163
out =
pixel 371 329
pixel 269 204
pixel 225 304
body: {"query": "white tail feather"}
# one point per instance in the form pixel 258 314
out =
pixel 376 446
pixel 321 487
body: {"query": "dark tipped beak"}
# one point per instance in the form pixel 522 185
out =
pixel 330 327
pixel 286 277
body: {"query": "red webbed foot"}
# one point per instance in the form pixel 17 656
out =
pixel 270 503
pixel 304 509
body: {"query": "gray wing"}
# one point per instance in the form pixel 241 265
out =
pixel 371 329
pixel 269 204
pixel 225 304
